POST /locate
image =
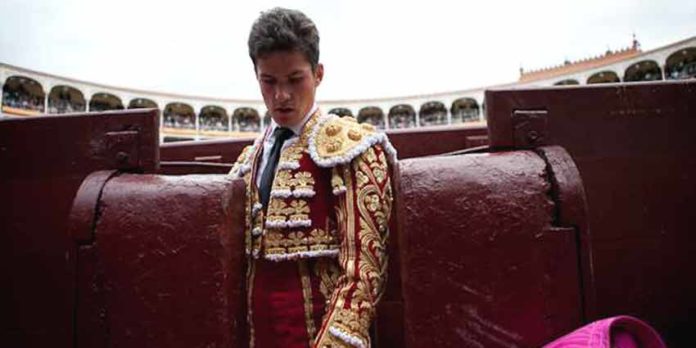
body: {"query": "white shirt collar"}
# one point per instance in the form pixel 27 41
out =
pixel 297 129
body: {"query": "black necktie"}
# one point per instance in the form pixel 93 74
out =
pixel 280 134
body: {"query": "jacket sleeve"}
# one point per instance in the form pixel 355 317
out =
pixel 363 209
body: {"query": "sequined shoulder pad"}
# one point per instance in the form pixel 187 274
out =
pixel 337 140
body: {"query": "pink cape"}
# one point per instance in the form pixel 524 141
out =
pixel 614 332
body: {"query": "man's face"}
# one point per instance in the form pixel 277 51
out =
pixel 288 85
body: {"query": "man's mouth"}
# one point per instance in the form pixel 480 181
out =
pixel 284 110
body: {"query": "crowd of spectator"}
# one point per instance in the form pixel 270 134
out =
pixel 177 120
pixel 466 115
pixel 244 122
pixel 375 120
pixel 684 71
pixel 213 123
pixel 399 120
pixel 433 118
pixel 16 99
pixel 63 106
pixel 250 123
pixel 403 118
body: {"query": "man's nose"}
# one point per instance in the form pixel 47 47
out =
pixel 282 94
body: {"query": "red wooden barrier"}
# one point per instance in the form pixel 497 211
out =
pixel 634 146
pixel 492 249
pixel 44 160
pixel 488 248
pixel 162 264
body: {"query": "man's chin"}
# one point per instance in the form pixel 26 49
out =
pixel 285 119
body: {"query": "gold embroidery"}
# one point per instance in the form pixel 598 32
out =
pixel 251 275
pixel 283 180
pixel 275 239
pixel 381 157
pixel 328 272
pixel 369 155
pixel 336 180
pixel 338 136
pixel 277 210
pixel 351 321
pixel 252 220
pixel 361 178
pixel 333 145
pixel 319 236
pixel 292 153
pixel 242 159
pixel 333 129
pixel 307 296
pixel 372 202
pixel 278 242
pixel 303 180
pixel 380 175
pixel 300 210
pixel 354 135
pixel 363 214
pixel 307 130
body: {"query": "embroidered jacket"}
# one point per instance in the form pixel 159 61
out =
pixel 331 198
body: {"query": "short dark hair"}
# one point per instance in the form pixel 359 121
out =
pixel 282 29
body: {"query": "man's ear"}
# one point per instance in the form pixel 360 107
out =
pixel 319 74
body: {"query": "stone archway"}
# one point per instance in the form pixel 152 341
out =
pixel 646 70
pixel 246 119
pixel 342 112
pixel 465 110
pixel 681 64
pixel 606 76
pixel 142 103
pixel 567 82
pixel 372 115
pixel 179 115
pixel 402 116
pixel 66 99
pixel 432 113
pixel 213 118
pixel 23 93
pixel 105 102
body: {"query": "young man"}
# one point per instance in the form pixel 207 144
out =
pixel 319 198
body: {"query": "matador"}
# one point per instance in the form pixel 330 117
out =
pixel 318 202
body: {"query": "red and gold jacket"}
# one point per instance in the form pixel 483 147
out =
pixel 331 199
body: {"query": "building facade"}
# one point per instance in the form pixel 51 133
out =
pixel 26 93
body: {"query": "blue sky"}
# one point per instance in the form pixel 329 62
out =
pixel 369 48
